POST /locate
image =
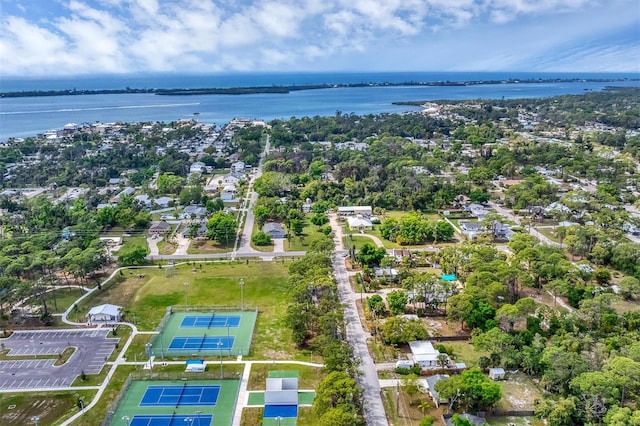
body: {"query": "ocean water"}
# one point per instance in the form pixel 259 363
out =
pixel 21 117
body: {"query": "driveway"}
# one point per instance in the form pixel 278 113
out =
pixel 278 245
pixel 152 243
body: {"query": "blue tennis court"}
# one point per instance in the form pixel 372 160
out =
pixel 175 420
pixel 179 396
pixel 198 343
pixel 208 321
pixel 284 411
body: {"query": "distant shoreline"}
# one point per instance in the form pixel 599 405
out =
pixel 293 88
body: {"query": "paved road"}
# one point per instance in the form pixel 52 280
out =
pixel 243 241
pixel 205 256
pixel 509 215
pixel 374 410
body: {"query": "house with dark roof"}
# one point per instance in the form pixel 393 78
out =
pixel 431 388
pixel 159 228
pixel 274 229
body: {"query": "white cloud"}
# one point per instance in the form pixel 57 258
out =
pixel 165 35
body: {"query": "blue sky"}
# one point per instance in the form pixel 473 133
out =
pixel 75 37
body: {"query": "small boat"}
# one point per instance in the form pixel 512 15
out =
pixel 196 113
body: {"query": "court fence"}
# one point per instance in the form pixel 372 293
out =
pixel 213 374
pixel 216 308
pixel 165 353
pixel 116 401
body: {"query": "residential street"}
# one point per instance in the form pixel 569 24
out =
pixel 374 410
pixel 509 215
pixel 243 241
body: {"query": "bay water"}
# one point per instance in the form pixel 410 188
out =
pixel 28 116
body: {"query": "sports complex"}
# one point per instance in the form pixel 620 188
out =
pixel 189 400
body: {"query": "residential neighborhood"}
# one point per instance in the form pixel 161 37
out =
pixel 443 264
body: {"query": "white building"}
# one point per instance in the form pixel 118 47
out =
pixel 237 167
pixel 198 167
pixel 104 314
pixel 346 211
pixel 228 193
pixel 424 354
pixel 359 223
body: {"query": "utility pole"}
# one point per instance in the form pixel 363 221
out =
pixel 186 297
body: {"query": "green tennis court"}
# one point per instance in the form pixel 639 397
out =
pixel 133 404
pixel 186 326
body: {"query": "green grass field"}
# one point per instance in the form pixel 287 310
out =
pixel 222 412
pixel 133 241
pixel 301 242
pixel 59 300
pixel 146 293
pixel 209 246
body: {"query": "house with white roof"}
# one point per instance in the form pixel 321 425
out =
pixel 232 178
pixel 476 210
pixel 359 223
pixel 163 201
pixel 363 211
pixel 192 211
pixel 238 167
pixel 198 167
pixel 228 193
pixel 104 314
pixel 143 199
pixel 424 354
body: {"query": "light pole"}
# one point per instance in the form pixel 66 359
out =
pixel 279 419
pixel 198 414
pixel 110 413
pixel 35 420
pixel 126 420
pixel 186 297
pixel 161 348
pixel 220 351
pixel 189 421
pixel 242 294
pixel 148 348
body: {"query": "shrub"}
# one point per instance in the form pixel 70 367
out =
pixel 261 239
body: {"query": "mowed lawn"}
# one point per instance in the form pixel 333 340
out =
pixel 145 294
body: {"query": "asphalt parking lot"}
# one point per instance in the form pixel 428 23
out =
pixel 92 350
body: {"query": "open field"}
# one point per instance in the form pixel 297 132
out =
pixel 518 393
pixel 621 306
pixel 514 421
pixel 59 300
pixel 209 246
pixel 549 233
pixel 18 408
pixel 128 243
pixel 308 377
pixel 165 247
pixel 146 293
pixel 301 242
pixel 464 352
